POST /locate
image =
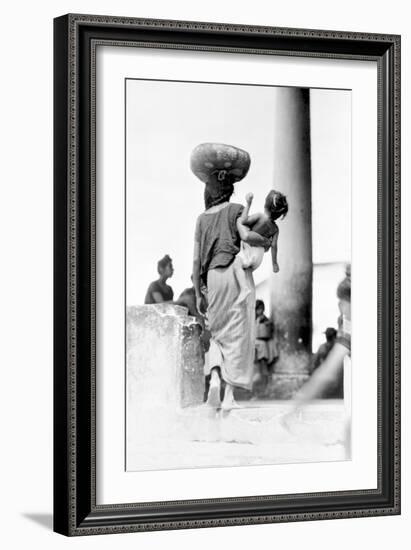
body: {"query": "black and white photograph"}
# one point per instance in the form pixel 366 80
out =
pixel 238 274
pixel 203 273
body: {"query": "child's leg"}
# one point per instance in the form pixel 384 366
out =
pixel 258 255
pixel 245 255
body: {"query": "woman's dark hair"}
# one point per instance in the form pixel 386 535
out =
pixel 344 288
pixel 218 189
pixel 163 263
pixel 259 303
pixel 276 203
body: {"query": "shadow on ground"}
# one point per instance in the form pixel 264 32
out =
pixel 45 520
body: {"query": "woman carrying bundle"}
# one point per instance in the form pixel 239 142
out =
pixel 230 288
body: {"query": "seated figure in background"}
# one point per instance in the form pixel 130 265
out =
pixel 325 348
pixel 159 291
pixel 336 389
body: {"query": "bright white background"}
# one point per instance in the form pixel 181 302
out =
pixel 26 275
pixel 164 124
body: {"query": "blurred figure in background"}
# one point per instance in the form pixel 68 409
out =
pixel 188 299
pixel 159 291
pixel 335 389
pixel 324 349
pixel 337 360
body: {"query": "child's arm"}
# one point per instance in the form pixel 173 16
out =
pixel 246 235
pixel 274 248
pixel 242 229
pixel 252 219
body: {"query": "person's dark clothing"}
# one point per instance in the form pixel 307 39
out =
pixel 188 299
pixel 321 354
pixel 164 289
pixel 336 389
pixel 218 237
pixel 264 328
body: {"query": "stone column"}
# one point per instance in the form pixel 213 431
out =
pixel 291 295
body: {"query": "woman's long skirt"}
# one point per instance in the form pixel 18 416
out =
pixel 231 319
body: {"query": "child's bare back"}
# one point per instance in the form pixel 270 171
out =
pixel 262 223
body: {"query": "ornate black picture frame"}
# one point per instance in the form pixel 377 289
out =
pixel 75 508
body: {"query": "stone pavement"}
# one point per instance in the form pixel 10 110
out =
pixel 251 435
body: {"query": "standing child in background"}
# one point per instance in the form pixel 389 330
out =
pixel 265 350
pixel 263 224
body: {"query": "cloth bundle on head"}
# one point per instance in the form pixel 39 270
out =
pixel 220 160
pixel 219 166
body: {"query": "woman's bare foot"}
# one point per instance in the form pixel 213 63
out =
pixel 213 398
pixel 229 402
